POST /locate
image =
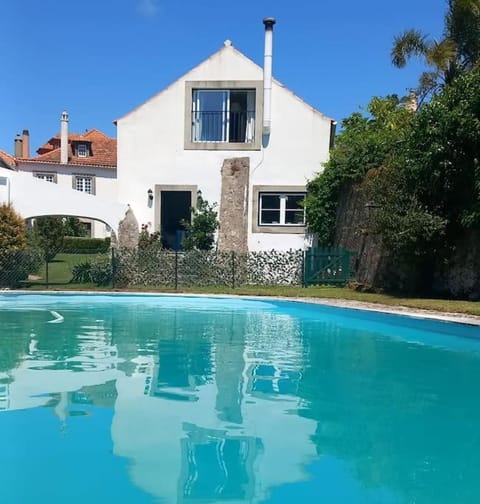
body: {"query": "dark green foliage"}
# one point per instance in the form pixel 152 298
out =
pixel 365 142
pixel 49 234
pixel 74 227
pixel 97 272
pixel 421 174
pixel 16 262
pixel 201 230
pixel 72 245
pixel 146 240
pixel 12 230
pixel 431 195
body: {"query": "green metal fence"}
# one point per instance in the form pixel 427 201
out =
pixel 328 266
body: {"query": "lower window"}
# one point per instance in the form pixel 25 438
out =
pixel 281 209
pixel 84 184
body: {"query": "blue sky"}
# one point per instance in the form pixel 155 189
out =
pixel 98 59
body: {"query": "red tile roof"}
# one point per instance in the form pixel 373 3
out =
pixel 10 160
pixel 103 150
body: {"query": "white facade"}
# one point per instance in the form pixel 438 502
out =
pixel 155 148
pixel 103 182
pixel 32 197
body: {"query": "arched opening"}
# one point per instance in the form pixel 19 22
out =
pixel 68 251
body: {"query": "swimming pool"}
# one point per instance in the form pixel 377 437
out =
pixel 145 399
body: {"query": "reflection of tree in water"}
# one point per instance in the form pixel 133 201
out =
pixel 15 334
pixel 397 425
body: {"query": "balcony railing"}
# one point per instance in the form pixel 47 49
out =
pixel 231 127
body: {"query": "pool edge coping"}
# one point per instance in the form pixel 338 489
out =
pixel 458 318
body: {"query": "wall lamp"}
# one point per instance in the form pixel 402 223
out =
pixel 150 195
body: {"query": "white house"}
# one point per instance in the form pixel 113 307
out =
pixel 84 162
pixel 243 139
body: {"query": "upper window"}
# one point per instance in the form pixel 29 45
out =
pixel 223 115
pixel 82 150
pixel 49 177
pixel 84 184
pixel 281 209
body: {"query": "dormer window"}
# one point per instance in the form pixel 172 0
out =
pixel 82 150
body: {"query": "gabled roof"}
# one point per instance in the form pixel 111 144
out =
pixel 227 47
pixel 6 160
pixel 103 150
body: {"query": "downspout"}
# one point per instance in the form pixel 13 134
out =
pixel 267 77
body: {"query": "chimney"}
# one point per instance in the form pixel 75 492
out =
pixel 64 138
pixel 17 150
pixel 25 144
pixel 267 76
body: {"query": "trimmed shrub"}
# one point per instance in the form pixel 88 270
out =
pixel 73 245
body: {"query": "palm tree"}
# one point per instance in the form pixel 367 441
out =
pixel 458 50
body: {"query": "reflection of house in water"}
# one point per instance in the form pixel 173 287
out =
pixel 206 423
pixel 272 379
pixel 67 404
pixel 217 467
pixel 180 368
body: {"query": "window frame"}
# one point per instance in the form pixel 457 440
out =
pixel 84 146
pixel 191 86
pixel 42 175
pixel 280 228
pixel 77 176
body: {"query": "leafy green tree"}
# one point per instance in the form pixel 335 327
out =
pixel 74 227
pixel 49 233
pixel 458 50
pixel 12 230
pixel 16 262
pixel 366 142
pixel 429 197
pixel 201 230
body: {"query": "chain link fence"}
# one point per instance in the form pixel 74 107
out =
pixel 28 269
pixel 150 267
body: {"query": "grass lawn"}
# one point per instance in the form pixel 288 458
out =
pixel 60 271
pixel 60 274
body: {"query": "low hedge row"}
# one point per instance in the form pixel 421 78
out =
pixel 72 245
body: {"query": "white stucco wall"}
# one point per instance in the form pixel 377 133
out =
pixel 32 197
pixel 105 183
pixel 151 146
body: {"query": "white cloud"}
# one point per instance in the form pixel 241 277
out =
pixel 148 8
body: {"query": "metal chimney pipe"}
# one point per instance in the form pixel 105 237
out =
pixel 17 149
pixel 267 76
pixel 26 144
pixel 64 138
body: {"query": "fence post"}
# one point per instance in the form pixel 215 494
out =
pixel 176 269
pixel 113 267
pixel 304 273
pixel 46 273
pixel 233 269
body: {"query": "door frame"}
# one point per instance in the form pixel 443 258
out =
pixel 158 203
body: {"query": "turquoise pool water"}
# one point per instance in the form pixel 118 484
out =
pixel 142 399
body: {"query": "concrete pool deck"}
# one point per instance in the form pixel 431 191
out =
pixel 458 318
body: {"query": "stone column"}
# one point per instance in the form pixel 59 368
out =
pixel 233 231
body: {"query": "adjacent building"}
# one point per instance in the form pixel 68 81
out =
pixel 86 162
